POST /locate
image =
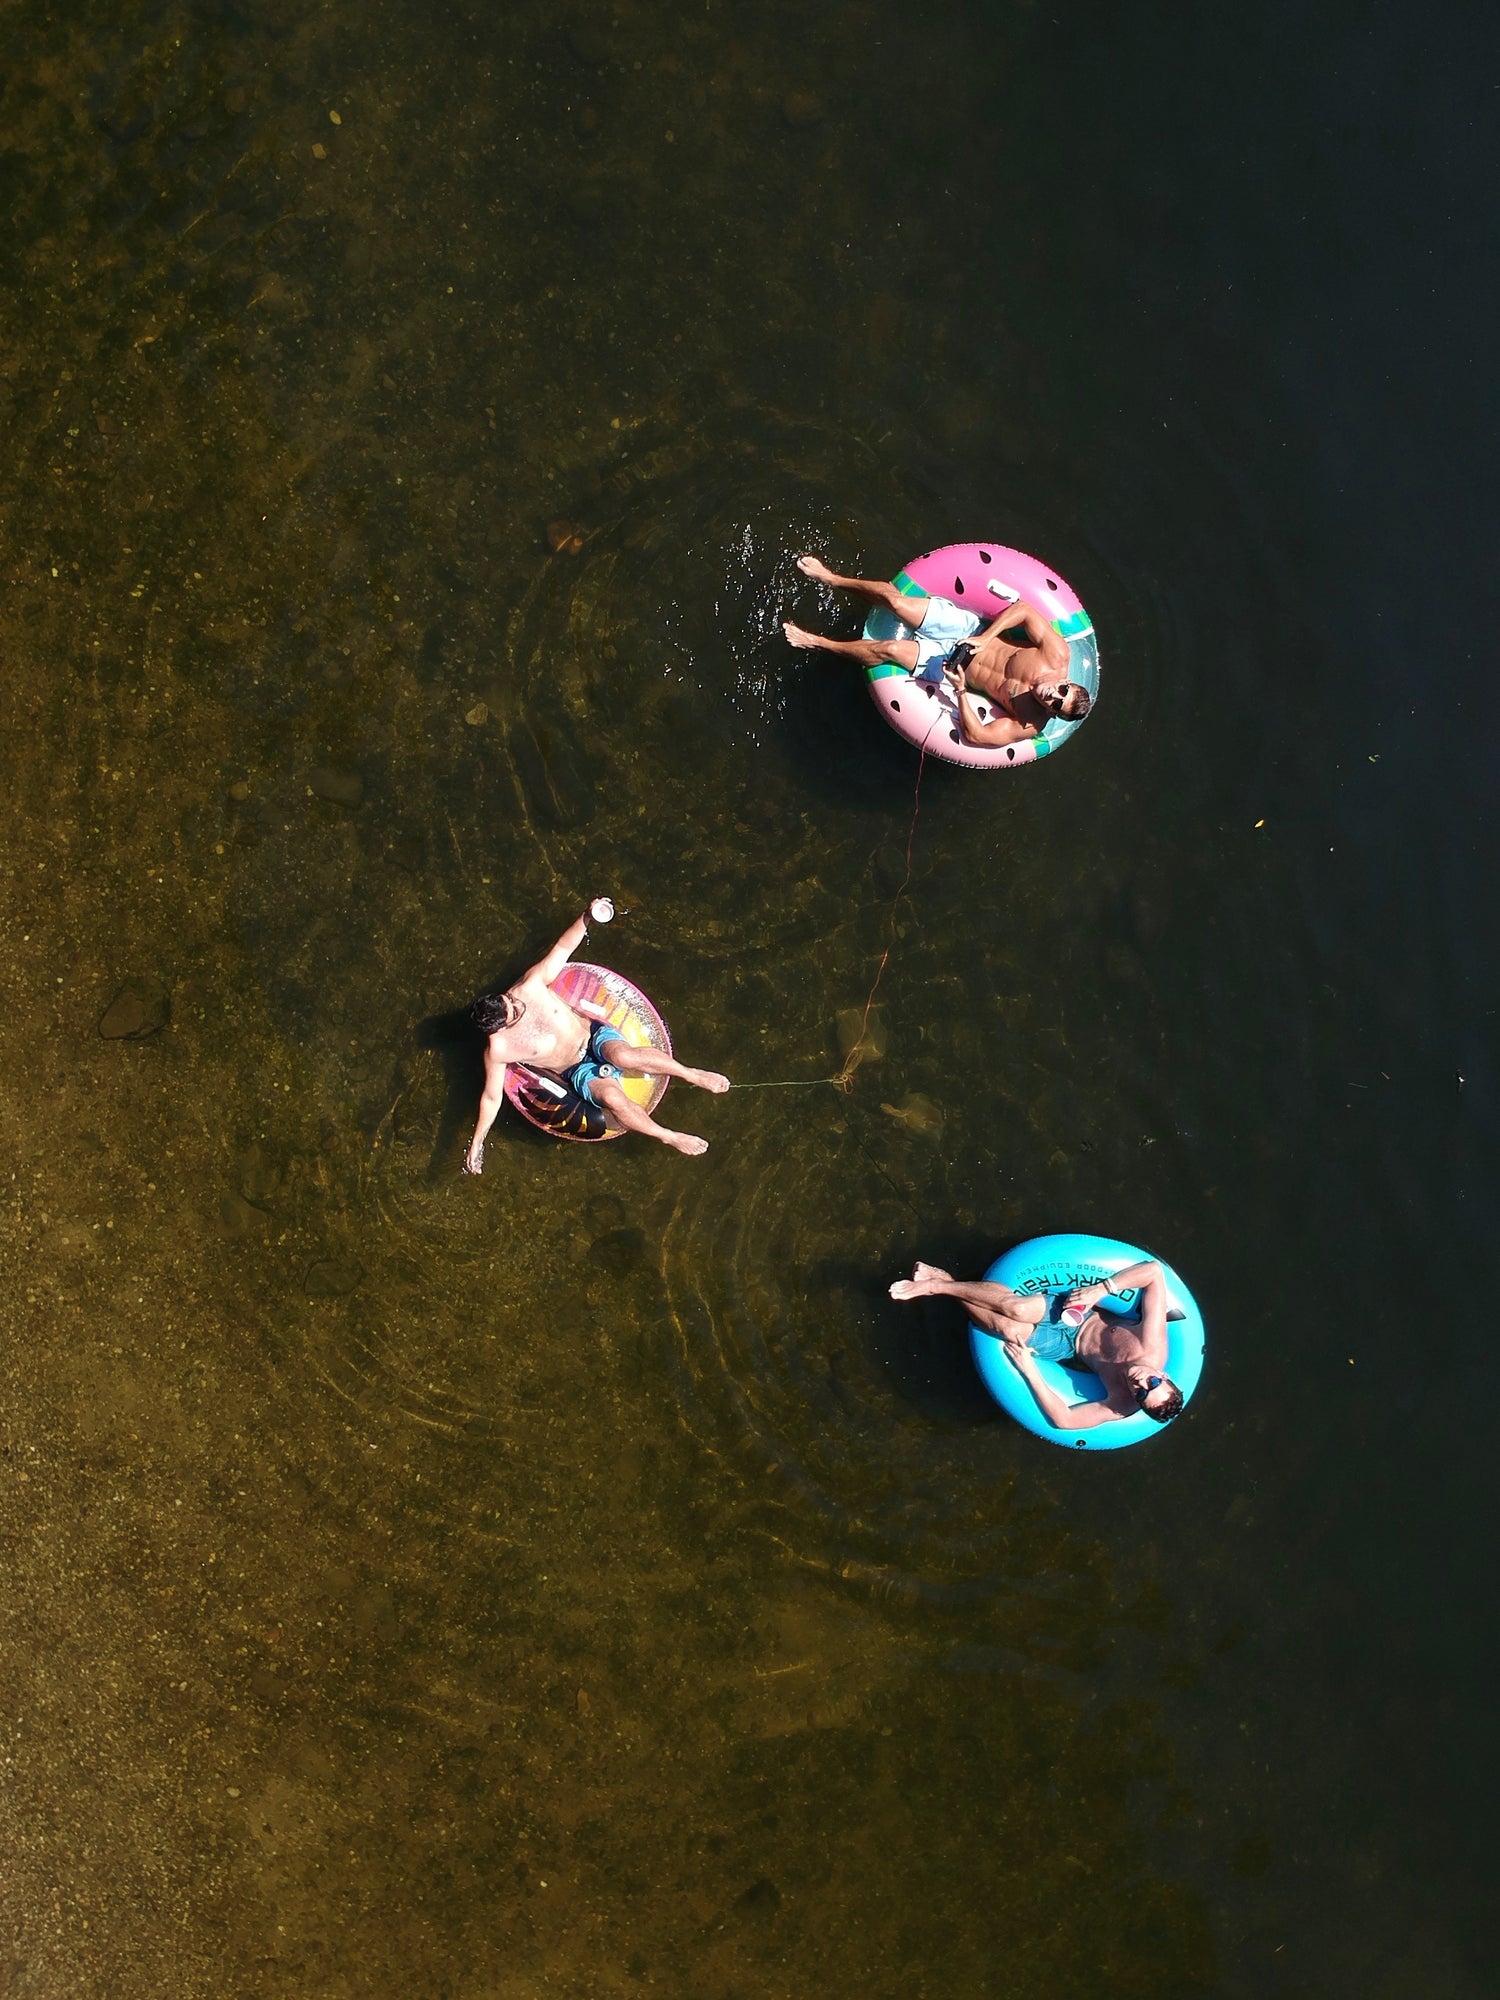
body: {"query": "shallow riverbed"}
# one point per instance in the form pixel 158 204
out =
pixel 584 1579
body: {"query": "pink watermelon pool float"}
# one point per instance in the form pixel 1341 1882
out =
pixel 963 572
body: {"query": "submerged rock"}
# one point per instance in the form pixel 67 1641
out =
pixel 333 1277
pixel 408 850
pixel 141 1007
pixel 619 1252
pixel 70 1239
pixel 918 1114
pixel 241 1221
pixel 762 1899
pixel 550 762
pixel 341 788
pixel 404 1272
pixel 256 1174
pixel 890 869
pixel 605 1211
pixel 855 1032
pixel 595 39
pixel 586 204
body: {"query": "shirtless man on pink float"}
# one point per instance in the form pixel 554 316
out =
pixel 1018 660
pixel 529 1023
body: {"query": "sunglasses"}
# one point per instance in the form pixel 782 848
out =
pixel 1151 1382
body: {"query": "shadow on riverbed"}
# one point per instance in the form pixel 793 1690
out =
pixel 923 1347
pixel 459 1047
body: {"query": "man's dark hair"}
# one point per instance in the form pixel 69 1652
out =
pixel 493 1010
pixel 1172 1407
pixel 1078 701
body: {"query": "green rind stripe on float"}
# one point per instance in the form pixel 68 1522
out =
pixel 884 670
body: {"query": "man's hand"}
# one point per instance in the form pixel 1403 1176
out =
pixel 474 1158
pixel 1087 1295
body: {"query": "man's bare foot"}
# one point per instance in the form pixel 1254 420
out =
pixel 795 636
pixel 684 1142
pixel 708 1079
pixel 818 571
pixel 922 1280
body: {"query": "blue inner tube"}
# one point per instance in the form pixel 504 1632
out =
pixel 1056 1264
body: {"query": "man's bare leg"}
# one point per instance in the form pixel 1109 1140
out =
pixel 927 1281
pixel 651 1062
pixel 910 610
pixel 865 652
pixel 611 1097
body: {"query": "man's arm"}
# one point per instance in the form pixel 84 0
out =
pixel 548 968
pixel 992 735
pixel 1086 1297
pixel 1040 630
pixel 1151 1281
pixel 1062 1416
pixel 489 1109
pixel 1019 613
pixel 1148 1280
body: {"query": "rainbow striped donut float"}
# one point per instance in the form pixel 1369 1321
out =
pixel 598 995
pixel 963 571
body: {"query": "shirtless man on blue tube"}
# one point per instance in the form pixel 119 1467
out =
pixel 1129 1356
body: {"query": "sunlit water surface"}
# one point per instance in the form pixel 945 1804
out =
pixel 584 1579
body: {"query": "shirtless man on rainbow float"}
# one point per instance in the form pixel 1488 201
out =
pixel 1128 1356
pixel 1018 660
pixel 529 1023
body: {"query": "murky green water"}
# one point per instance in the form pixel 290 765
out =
pixel 584 1580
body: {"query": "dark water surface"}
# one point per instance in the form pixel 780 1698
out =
pixel 584 1580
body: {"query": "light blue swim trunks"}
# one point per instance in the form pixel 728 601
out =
pixel 1054 1339
pixel 944 625
pixel 584 1074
